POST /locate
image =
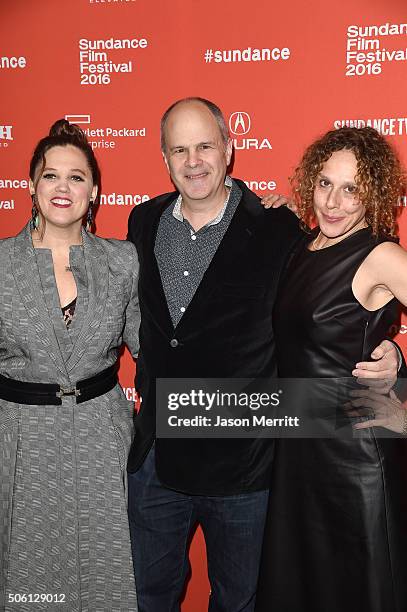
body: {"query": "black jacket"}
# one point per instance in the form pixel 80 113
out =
pixel 226 332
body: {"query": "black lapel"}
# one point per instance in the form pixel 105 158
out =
pixel 151 288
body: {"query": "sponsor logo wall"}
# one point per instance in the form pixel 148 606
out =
pixel 283 73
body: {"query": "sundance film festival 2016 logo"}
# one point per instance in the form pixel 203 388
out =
pixel 97 61
pixel 6 135
pixel 240 124
pixel 368 47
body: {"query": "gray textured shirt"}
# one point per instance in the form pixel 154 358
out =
pixel 184 255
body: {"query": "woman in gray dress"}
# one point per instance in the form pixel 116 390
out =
pixel 68 299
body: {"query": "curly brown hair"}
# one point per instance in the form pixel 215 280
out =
pixel 380 178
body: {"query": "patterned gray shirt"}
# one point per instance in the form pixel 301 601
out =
pixel 184 255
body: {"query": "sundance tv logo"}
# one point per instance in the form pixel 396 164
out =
pixel 6 135
pixel 240 125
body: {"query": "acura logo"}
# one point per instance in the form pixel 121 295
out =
pixel 239 123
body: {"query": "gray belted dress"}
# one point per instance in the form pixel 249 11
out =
pixel 63 508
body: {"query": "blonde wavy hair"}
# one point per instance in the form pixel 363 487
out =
pixel 380 179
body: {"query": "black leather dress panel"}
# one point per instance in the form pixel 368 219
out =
pixel 336 532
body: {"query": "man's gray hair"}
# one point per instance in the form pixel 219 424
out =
pixel 211 106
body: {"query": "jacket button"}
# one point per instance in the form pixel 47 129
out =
pixel 174 343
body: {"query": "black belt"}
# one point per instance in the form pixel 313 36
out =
pixel 42 394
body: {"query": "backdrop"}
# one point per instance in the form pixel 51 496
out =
pixel 283 73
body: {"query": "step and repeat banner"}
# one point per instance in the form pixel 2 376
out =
pixel 283 73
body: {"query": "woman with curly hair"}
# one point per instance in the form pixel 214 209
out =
pixel 336 532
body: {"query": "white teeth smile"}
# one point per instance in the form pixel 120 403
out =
pixel 61 201
pixel 196 176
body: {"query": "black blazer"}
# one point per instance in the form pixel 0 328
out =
pixel 226 331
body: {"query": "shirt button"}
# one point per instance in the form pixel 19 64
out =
pixel 182 309
pixel 174 343
pixel 193 237
pixel 186 273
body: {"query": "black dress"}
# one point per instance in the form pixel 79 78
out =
pixel 336 531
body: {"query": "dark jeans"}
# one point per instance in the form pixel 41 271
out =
pixel 161 522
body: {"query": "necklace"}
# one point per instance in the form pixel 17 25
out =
pixel 316 247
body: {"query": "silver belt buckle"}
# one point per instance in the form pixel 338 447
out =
pixel 63 392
